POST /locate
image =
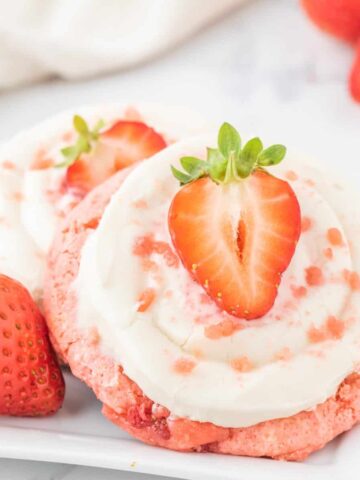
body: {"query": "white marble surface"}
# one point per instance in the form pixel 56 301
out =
pixel 264 67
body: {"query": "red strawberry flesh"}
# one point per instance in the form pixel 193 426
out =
pixel 122 145
pixel 236 240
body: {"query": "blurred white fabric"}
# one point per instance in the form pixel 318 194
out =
pixel 78 38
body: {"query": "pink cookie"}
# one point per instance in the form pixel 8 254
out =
pixel 292 438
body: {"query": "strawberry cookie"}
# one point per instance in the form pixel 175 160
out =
pixel 210 298
pixel 48 169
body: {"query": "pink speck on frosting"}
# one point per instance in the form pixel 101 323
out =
pixel 41 161
pixel 183 366
pixel 94 336
pixel 18 197
pixel 306 224
pixel 334 237
pixel 225 328
pixel 198 353
pixel 332 330
pixel 141 204
pixel 328 253
pixel 291 175
pixel 284 354
pixel 242 364
pixel 310 182
pixel 67 136
pixel 145 300
pixel 299 291
pixel 316 335
pixel 7 165
pixel 146 246
pixel 314 276
pixel 352 279
pixel 335 327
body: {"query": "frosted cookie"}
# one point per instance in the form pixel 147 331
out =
pixel 217 315
pixel 46 170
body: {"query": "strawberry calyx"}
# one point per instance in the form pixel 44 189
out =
pixel 230 161
pixel 84 143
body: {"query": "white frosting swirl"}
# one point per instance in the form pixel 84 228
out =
pixel 290 370
pixel 31 199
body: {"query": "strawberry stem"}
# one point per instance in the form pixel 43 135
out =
pixel 231 174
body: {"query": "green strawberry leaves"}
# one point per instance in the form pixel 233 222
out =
pixel 229 141
pixel 84 142
pixel 230 161
pixel 272 155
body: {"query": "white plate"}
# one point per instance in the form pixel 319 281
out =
pixel 80 435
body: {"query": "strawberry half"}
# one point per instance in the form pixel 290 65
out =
pixel 31 382
pixel 236 231
pixel 124 144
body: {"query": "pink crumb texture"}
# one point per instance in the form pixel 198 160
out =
pixel 299 291
pixel 8 165
pixel 333 329
pixel 352 279
pixel 292 438
pixel 314 276
pixel 328 253
pixel 41 161
pixel 184 366
pixel 334 237
pixel 225 328
pixel 242 364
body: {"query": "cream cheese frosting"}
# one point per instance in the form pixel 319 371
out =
pixel 185 353
pixel 32 197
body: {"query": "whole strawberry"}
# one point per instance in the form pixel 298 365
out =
pixel 337 17
pixel 31 382
pixel 340 18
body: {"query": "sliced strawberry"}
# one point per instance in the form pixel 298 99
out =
pixel 338 17
pixel 125 143
pixel 237 239
pixel 31 382
pixel 132 141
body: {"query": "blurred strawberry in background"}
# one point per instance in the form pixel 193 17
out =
pixel 340 18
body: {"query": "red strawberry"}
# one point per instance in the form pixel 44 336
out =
pixel 236 236
pixel 125 143
pixel 338 17
pixel 354 80
pixel 342 19
pixel 238 265
pixel 31 382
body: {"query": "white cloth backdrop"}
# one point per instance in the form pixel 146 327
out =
pixel 78 38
